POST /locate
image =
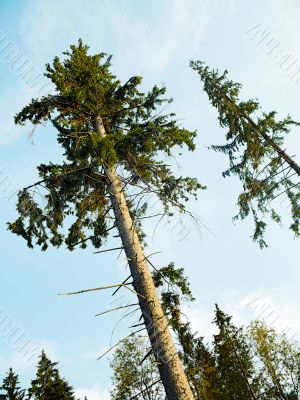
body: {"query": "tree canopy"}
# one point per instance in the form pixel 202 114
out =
pixel 138 135
pixel 48 383
pixel 11 386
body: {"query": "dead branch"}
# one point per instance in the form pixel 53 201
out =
pixel 117 344
pixel 102 288
pixel 112 249
pixel 154 383
pixel 123 283
pixel 115 309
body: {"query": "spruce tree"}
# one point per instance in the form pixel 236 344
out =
pixel 114 137
pixel 234 362
pixel 11 386
pixel 255 147
pixel 253 362
pixel 48 384
pixel 197 358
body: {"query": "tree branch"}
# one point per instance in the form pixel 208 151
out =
pixel 53 178
pixel 117 344
pixel 115 309
pixel 112 249
pixel 102 288
pixel 154 383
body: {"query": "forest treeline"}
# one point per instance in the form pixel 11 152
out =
pixel 240 363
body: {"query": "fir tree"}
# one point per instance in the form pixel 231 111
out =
pixel 254 143
pixel 48 384
pixel 233 355
pixel 113 136
pixel 11 386
pixel 198 360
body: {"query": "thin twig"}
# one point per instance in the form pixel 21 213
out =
pixel 123 283
pixel 146 356
pixel 154 383
pixel 119 321
pixel 59 176
pixel 117 344
pixel 102 288
pixel 112 249
pixel 94 236
pixel 136 325
pixel 115 309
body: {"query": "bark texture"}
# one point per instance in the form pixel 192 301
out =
pixel 171 371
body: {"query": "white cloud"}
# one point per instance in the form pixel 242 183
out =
pixel 92 394
pixel 151 43
pixel 23 362
pixel 273 307
pixel 93 355
pixel 140 44
pixel 275 310
pixel 201 320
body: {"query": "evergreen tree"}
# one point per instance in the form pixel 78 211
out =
pixel 11 386
pixel 113 136
pixel 254 143
pixel 48 385
pixel 233 355
pixel 218 371
pixel 174 289
pixel 252 363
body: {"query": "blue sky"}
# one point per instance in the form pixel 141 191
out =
pixel 156 40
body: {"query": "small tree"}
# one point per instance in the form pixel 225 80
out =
pixel 48 384
pixel 134 376
pixel 11 386
pixel 279 360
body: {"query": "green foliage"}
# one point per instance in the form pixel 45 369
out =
pixel 279 359
pixel 77 205
pixel 240 363
pixel 233 357
pixel 222 370
pixel 11 386
pixel 197 359
pixel 255 156
pixel 48 383
pixel 134 376
pixel 174 287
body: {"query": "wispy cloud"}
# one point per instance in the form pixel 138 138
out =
pixel 268 306
pixel 95 393
pixel 151 42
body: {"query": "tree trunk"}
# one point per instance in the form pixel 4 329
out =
pixel 171 371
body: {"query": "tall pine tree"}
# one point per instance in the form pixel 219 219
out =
pixel 113 137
